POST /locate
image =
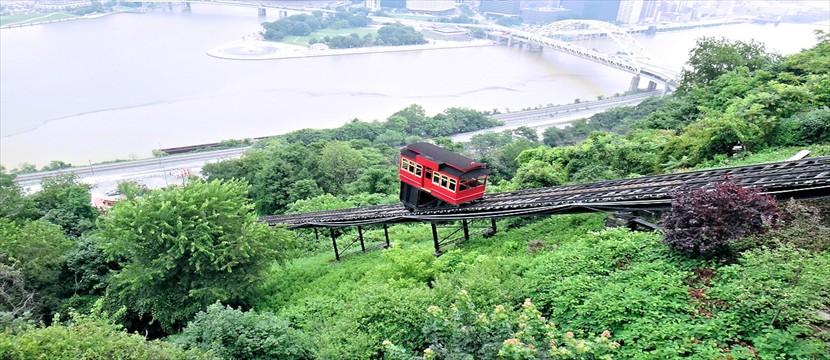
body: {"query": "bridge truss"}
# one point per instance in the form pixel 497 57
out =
pixel 808 178
pixel 632 48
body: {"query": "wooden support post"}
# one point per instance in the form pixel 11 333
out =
pixel 360 236
pixel 435 239
pixel 334 243
pixel 466 229
pixel 316 235
pixel 493 225
pixel 386 233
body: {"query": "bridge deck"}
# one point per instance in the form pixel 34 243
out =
pixel 807 178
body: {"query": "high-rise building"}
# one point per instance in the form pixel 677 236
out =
pixel 649 11
pixel 509 7
pixel 629 12
pixel 393 4
pixel 373 4
pixel 430 5
pixel 602 10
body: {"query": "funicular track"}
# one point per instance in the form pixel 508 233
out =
pixel 800 179
pixel 807 178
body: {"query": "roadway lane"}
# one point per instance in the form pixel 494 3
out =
pixel 155 173
pixel 559 116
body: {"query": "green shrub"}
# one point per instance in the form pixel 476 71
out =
pixel 773 289
pixel 805 128
pixel 87 337
pixel 462 332
pixel 234 334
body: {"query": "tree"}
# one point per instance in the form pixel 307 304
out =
pixel 65 201
pixel 339 165
pixel 704 221
pixel 186 248
pixel 36 250
pixel 14 205
pixel 56 165
pixel 712 57
pixel 536 174
pixel 282 166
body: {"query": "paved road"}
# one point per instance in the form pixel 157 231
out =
pixel 560 116
pixel 155 173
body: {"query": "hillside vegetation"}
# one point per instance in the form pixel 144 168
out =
pixel 191 270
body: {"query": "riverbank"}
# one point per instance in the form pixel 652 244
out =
pixel 61 17
pixel 254 49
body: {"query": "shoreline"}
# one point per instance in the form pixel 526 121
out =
pixel 268 50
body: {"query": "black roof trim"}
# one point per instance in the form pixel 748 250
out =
pixel 441 155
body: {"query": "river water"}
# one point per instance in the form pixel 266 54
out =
pixel 118 86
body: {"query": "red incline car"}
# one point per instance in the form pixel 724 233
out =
pixel 433 177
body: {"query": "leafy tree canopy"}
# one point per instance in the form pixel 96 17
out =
pixel 712 57
pixel 186 248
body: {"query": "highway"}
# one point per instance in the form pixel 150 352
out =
pixel 163 171
pixel 155 173
pixel 559 116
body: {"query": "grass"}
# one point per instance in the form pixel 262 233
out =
pixel 32 18
pixel 303 40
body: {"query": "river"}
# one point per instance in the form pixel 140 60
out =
pixel 118 86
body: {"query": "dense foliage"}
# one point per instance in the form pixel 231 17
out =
pixel 183 249
pixel 355 163
pixel 84 337
pixel 304 24
pixel 235 334
pixel 462 332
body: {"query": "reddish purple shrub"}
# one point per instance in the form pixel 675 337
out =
pixel 704 221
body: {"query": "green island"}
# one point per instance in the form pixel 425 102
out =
pixel 342 30
pixel 187 272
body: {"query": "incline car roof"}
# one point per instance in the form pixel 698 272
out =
pixel 461 163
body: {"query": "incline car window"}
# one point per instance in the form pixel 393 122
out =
pixel 471 183
pixel 411 167
pixel 443 181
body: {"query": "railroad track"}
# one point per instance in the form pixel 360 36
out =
pixel 806 178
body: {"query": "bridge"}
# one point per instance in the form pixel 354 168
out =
pixel 633 59
pixel 798 179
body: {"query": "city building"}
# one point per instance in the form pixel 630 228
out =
pixel 602 10
pixel 373 5
pixel 433 6
pixel 649 12
pixel 502 7
pixel 393 4
pixel 629 11
pixel 545 15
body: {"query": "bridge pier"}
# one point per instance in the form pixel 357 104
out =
pixel 635 83
pixel 261 12
pixel 651 85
